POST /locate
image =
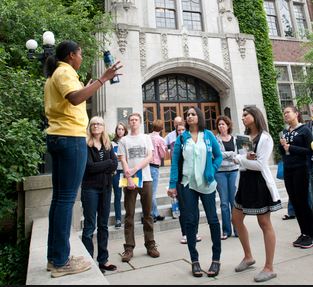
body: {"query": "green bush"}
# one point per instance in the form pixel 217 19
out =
pixel 252 20
pixel 13 263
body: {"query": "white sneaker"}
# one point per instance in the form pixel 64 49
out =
pixel 71 267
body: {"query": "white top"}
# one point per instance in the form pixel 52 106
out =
pixel 263 153
pixel 135 149
pixel 194 166
pixel 170 137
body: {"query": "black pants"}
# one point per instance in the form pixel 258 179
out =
pixel 297 185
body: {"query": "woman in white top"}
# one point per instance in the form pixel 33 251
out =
pixel 257 193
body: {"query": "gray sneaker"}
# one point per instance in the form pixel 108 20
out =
pixel 71 267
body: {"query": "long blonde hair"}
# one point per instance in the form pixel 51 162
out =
pixel 105 140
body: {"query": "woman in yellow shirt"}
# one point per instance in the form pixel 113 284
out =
pixel 65 109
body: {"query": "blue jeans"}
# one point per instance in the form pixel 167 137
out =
pixel 117 195
pixel 69 157
pixel 190 198
pixel 155 180
pixel 226 187
pixel 96 204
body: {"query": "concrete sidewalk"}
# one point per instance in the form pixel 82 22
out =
pixel 293 265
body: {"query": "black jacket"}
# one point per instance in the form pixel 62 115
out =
pixel 98 174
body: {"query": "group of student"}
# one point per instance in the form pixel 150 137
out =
pixel 201 164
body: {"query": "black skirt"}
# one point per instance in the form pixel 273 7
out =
pixel 253 196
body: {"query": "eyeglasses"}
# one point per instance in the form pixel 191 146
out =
pixel 96 124
pixel 191 114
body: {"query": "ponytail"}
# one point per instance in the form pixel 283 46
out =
pixel 50 66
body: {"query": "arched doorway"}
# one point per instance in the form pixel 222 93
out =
pixel 168 96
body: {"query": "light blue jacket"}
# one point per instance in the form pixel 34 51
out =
pixel 213 160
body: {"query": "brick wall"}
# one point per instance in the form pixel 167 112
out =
pixel 288 50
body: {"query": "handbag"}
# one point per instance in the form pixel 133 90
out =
pixel 280 170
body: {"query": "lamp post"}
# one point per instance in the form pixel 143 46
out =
pixel 48 42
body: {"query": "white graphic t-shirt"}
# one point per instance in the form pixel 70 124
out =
pixel 135 149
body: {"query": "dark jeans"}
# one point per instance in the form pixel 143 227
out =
pixel 96 203
pixel 182 210
pixel 297 185
pixel 117 195
pixel 69 156
pixel 130 204
pixel 190 198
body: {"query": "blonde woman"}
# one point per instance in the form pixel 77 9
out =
pixel 96 190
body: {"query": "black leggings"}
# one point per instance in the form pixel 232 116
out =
pixel 297 185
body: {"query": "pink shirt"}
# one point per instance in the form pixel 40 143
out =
pixel 159 148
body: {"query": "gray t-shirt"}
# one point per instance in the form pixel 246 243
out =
pixel 135 149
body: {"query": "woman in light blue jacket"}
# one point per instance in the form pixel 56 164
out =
pixel 195 160
pixel 227 173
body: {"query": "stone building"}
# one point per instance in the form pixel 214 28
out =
pixel 176 54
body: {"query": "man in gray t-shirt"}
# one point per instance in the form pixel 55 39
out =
pixel 135 153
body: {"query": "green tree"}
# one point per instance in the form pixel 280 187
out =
pixel 252 20
pixel 21 92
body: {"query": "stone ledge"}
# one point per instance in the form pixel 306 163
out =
pixel 37 262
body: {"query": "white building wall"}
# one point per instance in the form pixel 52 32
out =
pixel 218 55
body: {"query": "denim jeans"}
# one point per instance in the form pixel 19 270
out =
pixel 190 199
pixel 155 180
pixel 69 157
pixel 226 187
pixel 117 195
pixel 96 204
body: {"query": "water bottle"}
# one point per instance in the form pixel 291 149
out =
pixel 108 62
pixel 175 208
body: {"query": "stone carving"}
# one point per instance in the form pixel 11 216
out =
pixel 226 55
pixel 185 45
pixel 142 49
pixel 164 47
pixel 205 47
pixel 122 33
pixel 241 41
pixel 225 8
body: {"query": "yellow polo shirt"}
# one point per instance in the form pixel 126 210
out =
pixel 63 117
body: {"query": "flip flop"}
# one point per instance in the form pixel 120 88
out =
pixel 288 217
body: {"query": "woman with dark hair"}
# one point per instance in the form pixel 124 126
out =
pixel 194 163
pixel 65 109
pixel 257 193
pixel 96 191
pixel 120 131
pixel 227 173
pixel 295 147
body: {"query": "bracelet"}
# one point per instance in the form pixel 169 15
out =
pixel 100 82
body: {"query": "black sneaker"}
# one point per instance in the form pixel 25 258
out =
pixel 306 242
pixel 159 218
pixel 118 224
pixel 298 241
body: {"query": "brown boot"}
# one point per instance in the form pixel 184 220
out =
pixel 152 250
pixel 127 255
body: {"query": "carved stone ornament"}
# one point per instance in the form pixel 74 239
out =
pixel 225 9
pixel 164 47
pixel 122 33
pixel 185 45
pixel 241 41
pixel 142 50
pixel 225 55
pixel 205 47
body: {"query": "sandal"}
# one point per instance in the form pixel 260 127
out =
pixel 196 269
pixel 288 217
pixel 198 238
pixel 214 269
pixel 183 240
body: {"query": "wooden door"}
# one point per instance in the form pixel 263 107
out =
pixel 149 115
pixel 210 112
pixel 168 113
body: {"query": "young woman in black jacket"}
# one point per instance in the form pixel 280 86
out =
pixel 296 152
pixel 96 190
